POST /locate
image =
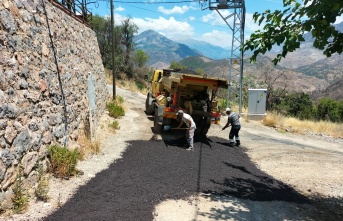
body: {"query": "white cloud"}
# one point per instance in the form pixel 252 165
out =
pixel 250 25
pixel 175 10
pixel 120 9
pixel 214 18
pixel 168 27
pixel 219 38
pixel 191 18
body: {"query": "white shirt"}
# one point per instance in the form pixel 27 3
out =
pixel 186 117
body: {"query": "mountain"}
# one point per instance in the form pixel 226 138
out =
pixel 205 48
pixel 329 69
pixel 162 49
pixel 306 55
pixel 291 79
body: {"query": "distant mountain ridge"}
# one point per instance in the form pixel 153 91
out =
pixel 205 48
pixel 308 69
pixel 162 49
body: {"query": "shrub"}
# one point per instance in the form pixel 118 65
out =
pixel 115 110
pixel 114 125
pixel 329 109
pixel 63 161
pixel 20 199
pixel 43 184
pixel 140 86
pixel 120 100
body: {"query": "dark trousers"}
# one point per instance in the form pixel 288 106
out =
pixel 234 132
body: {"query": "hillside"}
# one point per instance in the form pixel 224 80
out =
pixel 204 48
pixel 293 80
pixel 162 49
pixel 306 69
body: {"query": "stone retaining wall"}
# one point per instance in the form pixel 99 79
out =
pixel 32 115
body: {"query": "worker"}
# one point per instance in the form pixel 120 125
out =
pixel 233 119
pixel 188 120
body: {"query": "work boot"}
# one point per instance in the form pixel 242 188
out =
pixel 237 144
pixel 231 144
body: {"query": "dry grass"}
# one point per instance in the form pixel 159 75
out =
pixel 125 83
pixel 87 146
pixel 294 125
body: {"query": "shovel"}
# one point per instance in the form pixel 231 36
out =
pixel 215 132
pixel 166 128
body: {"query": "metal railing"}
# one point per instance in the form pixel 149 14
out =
pixel 76 8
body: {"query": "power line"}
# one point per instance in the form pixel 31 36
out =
pixel 152 3
pixel 174 2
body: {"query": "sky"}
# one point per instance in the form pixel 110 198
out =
pixel 179 19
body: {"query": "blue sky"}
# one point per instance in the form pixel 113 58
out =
pixel 182 18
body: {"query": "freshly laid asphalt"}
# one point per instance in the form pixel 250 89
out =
pixel 153 171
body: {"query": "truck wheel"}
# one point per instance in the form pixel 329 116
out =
pixel 206 126
pixel 148 107
pixel 157 126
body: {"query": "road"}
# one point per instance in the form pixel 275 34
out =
pixel 140 176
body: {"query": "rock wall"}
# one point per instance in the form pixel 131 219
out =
pixel 33 111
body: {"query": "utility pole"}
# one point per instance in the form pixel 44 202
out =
pixel 113 68
pixel 235 20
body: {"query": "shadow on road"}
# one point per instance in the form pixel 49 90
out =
pixel 153 171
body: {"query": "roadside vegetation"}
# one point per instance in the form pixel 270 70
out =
pixel 292 111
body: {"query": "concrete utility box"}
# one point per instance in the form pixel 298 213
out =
pixel 257 103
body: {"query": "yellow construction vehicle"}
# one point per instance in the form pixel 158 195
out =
pixel 172 90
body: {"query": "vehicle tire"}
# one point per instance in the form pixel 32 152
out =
pixel 157 126
pixel 206 126
pixel 148 107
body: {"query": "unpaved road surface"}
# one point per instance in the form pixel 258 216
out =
pixel 140 176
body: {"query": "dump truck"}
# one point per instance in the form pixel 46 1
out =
pixel 172 90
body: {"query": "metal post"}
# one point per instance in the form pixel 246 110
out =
pixel 113 68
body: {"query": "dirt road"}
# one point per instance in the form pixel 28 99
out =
pixel 139 176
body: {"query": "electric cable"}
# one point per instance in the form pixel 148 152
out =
pixel 59 77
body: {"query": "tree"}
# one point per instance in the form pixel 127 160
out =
pixel 102 29
pixel 128 30
pixel 297 105
pixel 177 65
pixel 287 28
pixel 274 93
pixel 140 58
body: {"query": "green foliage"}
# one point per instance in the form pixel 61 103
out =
pixel 222 104
pixel 102 29
pixel 120 99
pixel 128 29
pixel 176 65
pixel 140 58
pixel 115 110
pixel 300 105
pixel 297 105
pixel 287 28
pixel 20 199
pixel 114 125
pixel 43 184
pixel 200 71
pixel 123 43
pixel 139 85
pixel 329 109
pixel 63 161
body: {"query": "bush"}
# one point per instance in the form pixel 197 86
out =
pixel 20 198
pixel 63 161
pixel 115 110
pixel 114 125
pixel 140 86
pixel 329 109
pixel 43 184
pixel 120 99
